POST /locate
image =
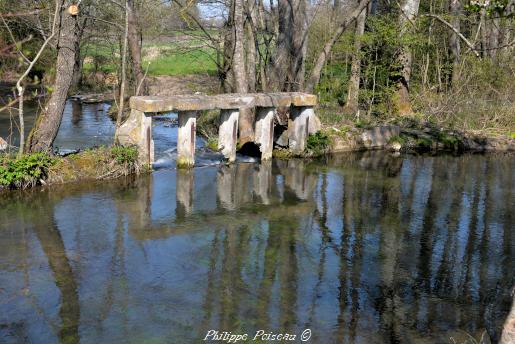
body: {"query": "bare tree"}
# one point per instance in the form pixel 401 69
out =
pixel 19 84
pixel 135 47
pixel 408 12
pixel 123 80
pixel 454 40
pixel 246 120
pixel 353 90
pixel 316 72
pixel 47 125
pixel 288 68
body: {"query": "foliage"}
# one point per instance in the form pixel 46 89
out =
pixel 424 143
pixel 125 154
pixel 24 172
pixel 397 139
pixel 480 96
pixel 207 124
pixel 95 163
pixel 318 143
pixel 483 98
pixel 212 143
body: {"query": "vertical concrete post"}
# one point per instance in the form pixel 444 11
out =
pixel 264 131
pixel 228 133
pixel 186 139
pixel 298 135
pixel 184 192
pixel 147 143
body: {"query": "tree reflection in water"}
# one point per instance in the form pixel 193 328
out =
pixel 358 248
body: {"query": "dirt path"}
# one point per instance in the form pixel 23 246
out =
pixel 186 84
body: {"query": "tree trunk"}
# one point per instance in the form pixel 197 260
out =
pixel 123 74
pixel 316 72
pixel 494 33
pixel 484 34
pixel 409 9
pixel 47 125
pixel 246 120
pixel 135 49
pixel 454 41
pixel 353 91
pixel 251 58
pixel 288 67
pixel 77 68
pixel 225 73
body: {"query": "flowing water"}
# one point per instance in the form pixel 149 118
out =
pixel 366 248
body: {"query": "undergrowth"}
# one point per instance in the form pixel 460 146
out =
pixel 26 171
pixel 39 168
pixel 318 143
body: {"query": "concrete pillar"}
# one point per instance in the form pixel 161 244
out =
pixel 186 139
pixel 137 130
pixel 298 134
pixel 184 192
pixel 147 143
pixel 228 133
pixel 264 131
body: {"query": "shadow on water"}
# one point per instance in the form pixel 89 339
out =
pixel 358 248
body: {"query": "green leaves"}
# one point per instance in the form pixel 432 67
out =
pixel 25 171
pixel 318 143
pixel 124 154
pixel 499 7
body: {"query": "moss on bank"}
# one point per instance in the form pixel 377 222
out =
pixel 92 164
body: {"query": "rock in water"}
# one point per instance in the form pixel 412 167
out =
pixel 3 144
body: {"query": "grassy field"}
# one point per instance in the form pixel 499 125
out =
pixel 182 63
pixel 161 58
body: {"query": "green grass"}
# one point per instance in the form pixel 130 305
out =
pixel 183 63
pixel 169 58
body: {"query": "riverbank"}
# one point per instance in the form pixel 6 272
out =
pixel 426 139
pixel 415 137
pixel 103 163
pixel 99 163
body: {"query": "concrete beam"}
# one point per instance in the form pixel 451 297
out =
pixel 154 104
pixel 186 139
pixel 228 133
pixel 264 131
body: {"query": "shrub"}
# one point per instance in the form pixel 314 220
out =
pixel 27 171
pixel 125 154
pixel 318 143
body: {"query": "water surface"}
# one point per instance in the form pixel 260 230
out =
pixel 359 248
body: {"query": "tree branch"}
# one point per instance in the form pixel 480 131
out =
pixel 322 57
pixel 456 31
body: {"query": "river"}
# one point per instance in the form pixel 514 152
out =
pixel 364 247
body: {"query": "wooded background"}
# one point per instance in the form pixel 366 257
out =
pixel 450 61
